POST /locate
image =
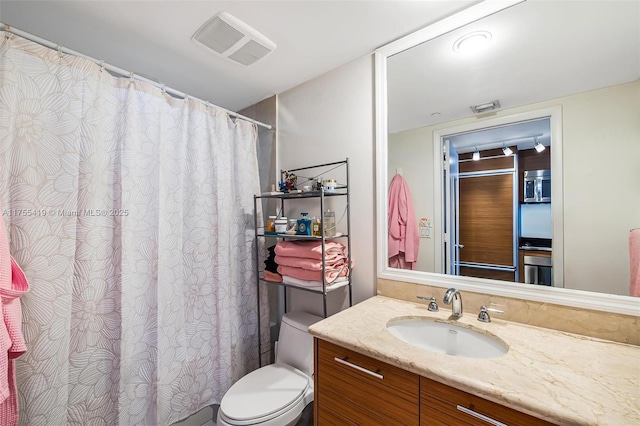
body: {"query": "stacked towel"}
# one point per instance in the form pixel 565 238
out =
pixel 302 260
pixel 315 285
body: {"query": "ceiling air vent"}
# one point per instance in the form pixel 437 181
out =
pixel 231 38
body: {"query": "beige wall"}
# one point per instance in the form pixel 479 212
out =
pixel 412 151
pixel 601 130
pixel 325 120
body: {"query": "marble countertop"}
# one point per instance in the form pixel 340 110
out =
pixel 564 378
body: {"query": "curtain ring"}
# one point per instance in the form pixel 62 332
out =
pixel 60 51
pixel 164 88
pixel 207 104
pixel 130 77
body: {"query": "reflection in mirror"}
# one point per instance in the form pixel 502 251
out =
pixel 558 84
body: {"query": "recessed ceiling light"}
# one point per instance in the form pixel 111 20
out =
pixel 472 42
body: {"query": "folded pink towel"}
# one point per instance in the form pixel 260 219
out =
pixel 634 262
pixel 272 277
pixel 305 274
pixel 310 264
pixel 310 249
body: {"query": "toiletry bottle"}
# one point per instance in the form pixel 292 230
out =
pixel 271 224
pixel 304 225
pixel 281 225
pixel 329 225
pixel 316 227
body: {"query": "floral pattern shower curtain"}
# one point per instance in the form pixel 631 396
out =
pixel 131 213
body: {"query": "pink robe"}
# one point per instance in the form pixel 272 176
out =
pixel 404 239
pixel 13 284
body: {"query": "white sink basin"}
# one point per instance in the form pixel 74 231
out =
pixel 447 338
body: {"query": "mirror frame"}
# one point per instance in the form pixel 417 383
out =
pixel 560 296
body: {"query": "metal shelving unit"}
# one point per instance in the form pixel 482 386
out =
pixel 321 196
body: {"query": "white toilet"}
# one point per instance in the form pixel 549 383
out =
pixel 276 394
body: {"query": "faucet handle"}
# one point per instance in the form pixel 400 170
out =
pixel 483 315
pixel 433 306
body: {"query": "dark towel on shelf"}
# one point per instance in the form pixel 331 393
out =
pixel 270 263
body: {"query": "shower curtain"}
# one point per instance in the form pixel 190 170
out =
pixel 131 213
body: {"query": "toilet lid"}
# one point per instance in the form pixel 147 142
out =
pixel 264 392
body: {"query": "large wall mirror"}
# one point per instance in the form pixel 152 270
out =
pixel 558 84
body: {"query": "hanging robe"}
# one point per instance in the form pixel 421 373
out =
pixel 403 236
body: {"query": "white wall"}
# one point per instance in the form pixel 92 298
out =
pixel 601 186
pixel 412 151
pixel 325 120
pixel 601 171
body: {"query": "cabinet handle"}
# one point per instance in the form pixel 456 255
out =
pixel 357 367
pixel 480 416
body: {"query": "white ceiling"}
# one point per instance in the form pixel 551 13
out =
pixel 153 38
pixel 540 50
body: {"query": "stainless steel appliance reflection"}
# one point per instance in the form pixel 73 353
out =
pixel 538 270
pixel 537 186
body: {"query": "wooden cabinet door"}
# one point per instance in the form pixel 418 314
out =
pixel 354 389
pixel 441 405
pixel 486 224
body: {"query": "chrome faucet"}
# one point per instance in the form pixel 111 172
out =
pixel 433 305
pixel 454 298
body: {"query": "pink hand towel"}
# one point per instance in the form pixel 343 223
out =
pixel 634 262
pixel 310 264
pixel 304 274
pixel 310 249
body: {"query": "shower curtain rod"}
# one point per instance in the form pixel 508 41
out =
pixel 120 71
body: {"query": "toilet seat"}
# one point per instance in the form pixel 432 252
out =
pixel 267 393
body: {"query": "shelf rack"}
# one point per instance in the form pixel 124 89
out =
pixel 341 190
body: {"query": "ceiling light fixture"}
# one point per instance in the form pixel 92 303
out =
pixel 506 150
pixel 537 145
pixel 476 155
pixel 472 42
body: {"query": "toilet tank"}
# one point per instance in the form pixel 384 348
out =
pixel 295 344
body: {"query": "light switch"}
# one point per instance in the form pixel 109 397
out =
pixel 425 225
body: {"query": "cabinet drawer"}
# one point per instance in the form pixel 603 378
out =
pixel 354 389
pixel 439 406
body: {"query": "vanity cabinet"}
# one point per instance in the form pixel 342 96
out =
pixel 354 389
pixel 443 405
